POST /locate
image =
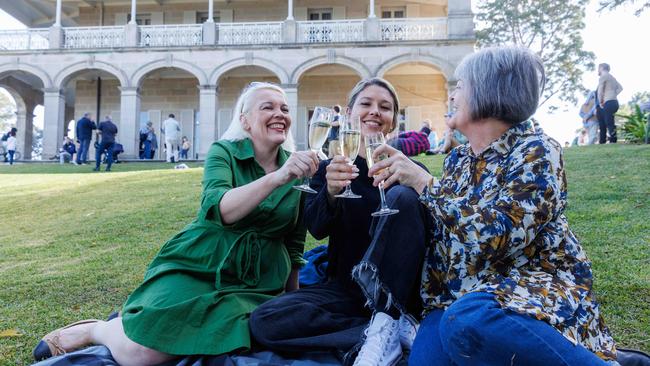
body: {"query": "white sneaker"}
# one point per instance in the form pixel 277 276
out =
pixel 408 329
pixel 381 346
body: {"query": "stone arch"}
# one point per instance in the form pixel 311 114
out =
pixel 445 67
pixel 140 74
pixel 271 66
pixel 361 69
pixel 67 73
pixel 21 106
pixel 33 70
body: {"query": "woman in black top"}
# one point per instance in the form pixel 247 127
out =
pixel 372 261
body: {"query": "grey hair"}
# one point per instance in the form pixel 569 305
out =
pixel 236 132
pixel 605 66
pixel 363 84
pixel 504 83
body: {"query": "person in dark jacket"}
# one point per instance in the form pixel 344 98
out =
pixel 107 130
pixel 84 133
pixel 67 151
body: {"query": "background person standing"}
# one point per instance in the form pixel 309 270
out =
pixel 84 133
pixel 608 89
pixel 172 129
pixel 107 130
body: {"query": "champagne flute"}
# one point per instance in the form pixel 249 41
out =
pixel 373 140
pixel 319 128
pixel 349 140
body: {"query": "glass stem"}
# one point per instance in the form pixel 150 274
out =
pixel 382 196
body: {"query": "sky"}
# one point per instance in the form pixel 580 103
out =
pixel 617 37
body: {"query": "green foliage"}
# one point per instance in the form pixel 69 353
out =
pixel 7 111
pixel 75 243
pixel 613 4
pixel 550 28
pixel 635 125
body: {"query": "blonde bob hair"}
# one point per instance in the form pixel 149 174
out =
pixel 235 131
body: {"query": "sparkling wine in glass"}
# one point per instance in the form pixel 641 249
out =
pixel 319 128
pixel 373 141
pixel 349 140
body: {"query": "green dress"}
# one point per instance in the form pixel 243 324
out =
pixel 200 289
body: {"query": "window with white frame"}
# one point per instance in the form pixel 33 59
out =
pixel 393 12
pixel 202 17
pixel 141 19
pixel 319 13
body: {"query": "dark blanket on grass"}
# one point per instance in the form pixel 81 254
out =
pixel 101 356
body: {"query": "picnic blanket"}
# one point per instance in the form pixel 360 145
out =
pixel 101 356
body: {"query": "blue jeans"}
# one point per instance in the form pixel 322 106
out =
pixel 147 149
pixel 475 330
pixel 11 156
pixel 82 156
pixel 106 147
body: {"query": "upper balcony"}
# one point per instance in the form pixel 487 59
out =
pixel 148 27
pixel 227 34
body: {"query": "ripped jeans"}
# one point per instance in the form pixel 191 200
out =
pixel 475 330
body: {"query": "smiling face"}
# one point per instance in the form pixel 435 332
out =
pixel 461 115
pixel 374 107
pixel 267 120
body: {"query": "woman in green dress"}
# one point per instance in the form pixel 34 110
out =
pixel 244 248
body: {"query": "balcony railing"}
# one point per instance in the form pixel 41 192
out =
pixel 331 31
pixel 228 34
pixel 171 35
pixel 413 29
pixel 25 39
pixel 93 37
pixel 250 33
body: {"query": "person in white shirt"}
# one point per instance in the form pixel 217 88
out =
pixel 11 146
pixel 172 130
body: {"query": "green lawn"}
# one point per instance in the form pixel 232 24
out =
pixel 74 243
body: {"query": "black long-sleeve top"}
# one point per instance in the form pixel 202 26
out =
pixel 347 222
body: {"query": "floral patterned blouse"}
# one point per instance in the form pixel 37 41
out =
pixel 500 228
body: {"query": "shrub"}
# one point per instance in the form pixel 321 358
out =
pixel 635 125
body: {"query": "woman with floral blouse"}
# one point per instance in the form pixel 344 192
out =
pixel 505 281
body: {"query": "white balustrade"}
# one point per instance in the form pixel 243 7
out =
pixel 413 29
pixel 93 37
pixel 250 33
pixel 171 35
pixel 330 31
pixel 24 39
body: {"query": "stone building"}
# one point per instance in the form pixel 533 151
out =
pixel 139 60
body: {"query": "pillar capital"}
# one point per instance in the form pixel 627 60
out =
pixel 52 91
pixel 208 88
pixel 289 87
pixel 129 90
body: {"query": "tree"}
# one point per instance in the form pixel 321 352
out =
pixel 613 4
pixel 550 28
pixel 7 112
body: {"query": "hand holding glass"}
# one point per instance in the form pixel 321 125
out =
pixel 373 141
pixel 349 141
pixel 319 128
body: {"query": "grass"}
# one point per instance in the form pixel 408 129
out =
pixel 73 243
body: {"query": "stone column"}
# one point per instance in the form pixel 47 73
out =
pixel 130 121
pixel 54 109
pixel 460 20
pixel 298 128
pixel 208 106
pixel 210 11
pixel 133 12
pixel 25 126
pixel 290 10
pixel 371 12
pixel 57 21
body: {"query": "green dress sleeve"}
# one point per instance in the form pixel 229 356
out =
pixel 217 180
pixel 295 241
